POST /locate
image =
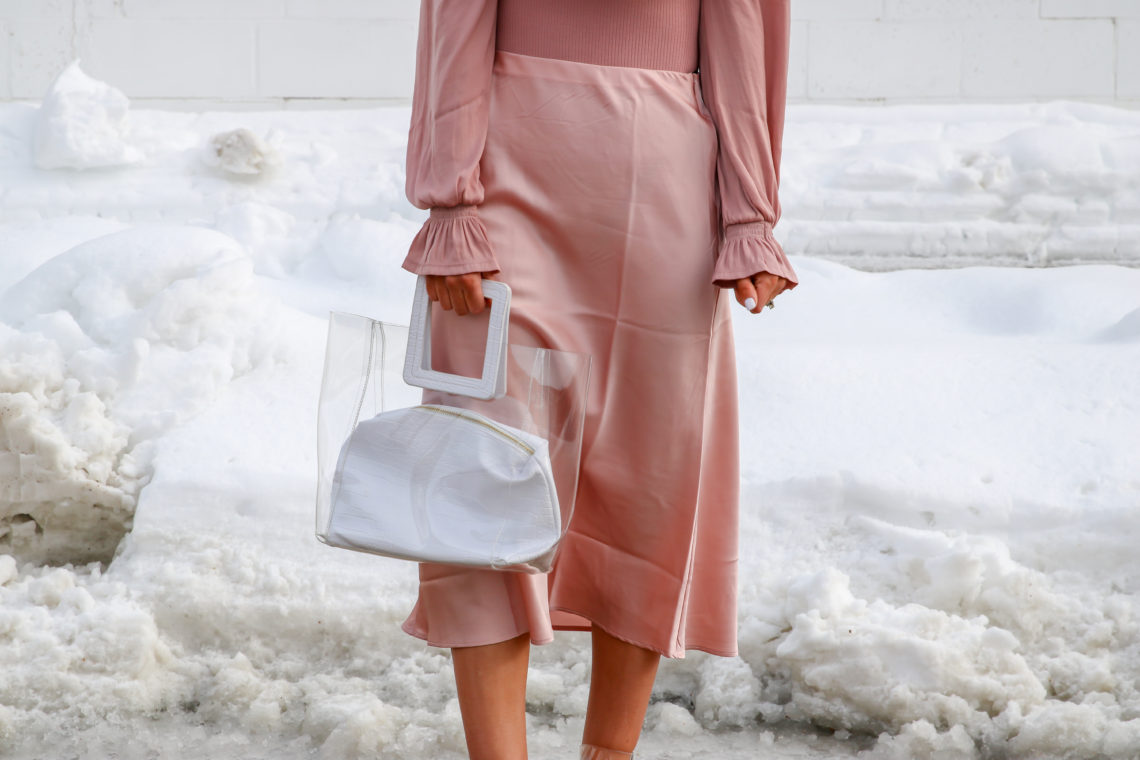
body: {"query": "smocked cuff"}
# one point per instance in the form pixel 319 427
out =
pixel 453 240
pixel 747 249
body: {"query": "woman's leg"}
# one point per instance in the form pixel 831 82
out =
pixel 621 680
pixel 491 681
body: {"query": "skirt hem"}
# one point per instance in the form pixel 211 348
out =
pixel 426 638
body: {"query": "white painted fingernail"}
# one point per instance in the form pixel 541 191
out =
pixel 750 303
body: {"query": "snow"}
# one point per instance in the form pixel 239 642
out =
pixel 83 123
pixel 941 463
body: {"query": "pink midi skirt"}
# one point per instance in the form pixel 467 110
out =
pixel 601 207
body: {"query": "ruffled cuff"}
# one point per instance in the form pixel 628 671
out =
pixel 749 248
pixel 453 240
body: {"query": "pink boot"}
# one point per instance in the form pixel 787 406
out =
pixel 593 752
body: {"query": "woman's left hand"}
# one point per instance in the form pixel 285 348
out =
pixel 762 287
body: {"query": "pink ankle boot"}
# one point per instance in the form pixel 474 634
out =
pixel 593 752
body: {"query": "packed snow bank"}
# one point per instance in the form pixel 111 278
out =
pixel 102 349
pixel 83 124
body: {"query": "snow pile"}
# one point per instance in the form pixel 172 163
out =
pixel 985 647
pixel 83 124
pixel 84 642
pixel 102 349
pixel 68 483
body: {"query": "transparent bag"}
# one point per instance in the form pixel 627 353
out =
pixel 424 465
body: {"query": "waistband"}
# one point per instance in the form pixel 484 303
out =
pixel 559 69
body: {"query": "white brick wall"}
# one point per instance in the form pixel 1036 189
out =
pixel 1044 58
pixel 249 53
pixel 5 60
pixel 337 57
pixel 883 62
pixel 1128 59
pixel 199 57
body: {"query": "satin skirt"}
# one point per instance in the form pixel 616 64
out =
pixel 601 207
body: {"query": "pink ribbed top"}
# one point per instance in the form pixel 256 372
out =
pixel 739 49
pixel 651 34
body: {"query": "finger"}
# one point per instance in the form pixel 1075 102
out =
pixel 458 297
pixel 431 281
pixel 767 286
pixel 444 294
pixel 473 292
pixel 744 290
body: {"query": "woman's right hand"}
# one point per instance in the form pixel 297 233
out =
pixel 463 292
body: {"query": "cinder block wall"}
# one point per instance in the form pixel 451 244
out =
pixel 285 53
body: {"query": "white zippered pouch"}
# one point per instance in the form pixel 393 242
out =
pixel 432 483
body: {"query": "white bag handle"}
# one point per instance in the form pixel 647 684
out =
pixel 417 362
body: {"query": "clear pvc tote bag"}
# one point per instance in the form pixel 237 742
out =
pixel 420 464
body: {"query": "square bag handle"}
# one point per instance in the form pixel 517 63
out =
pixel 417 361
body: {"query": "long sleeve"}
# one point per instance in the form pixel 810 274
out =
pixel 743 52
pixel 448 130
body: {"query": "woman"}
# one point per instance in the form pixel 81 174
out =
pixel 574 151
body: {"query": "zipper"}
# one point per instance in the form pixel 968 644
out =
pixel 484 423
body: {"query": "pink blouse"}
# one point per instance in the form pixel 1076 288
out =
pixel 738 47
